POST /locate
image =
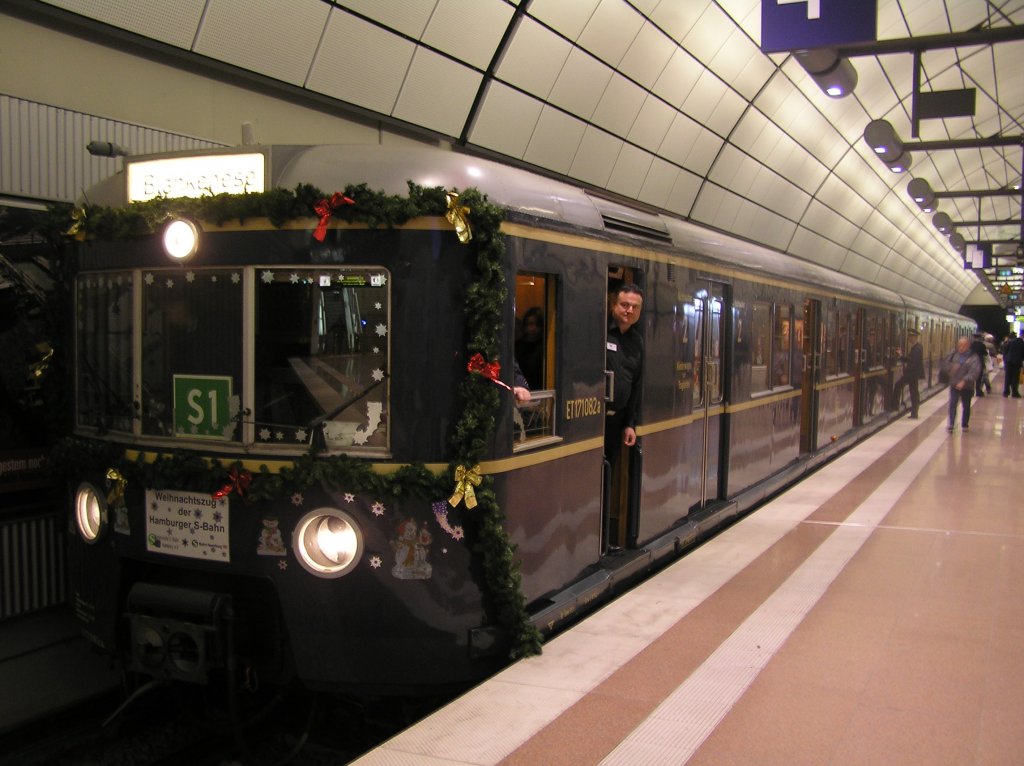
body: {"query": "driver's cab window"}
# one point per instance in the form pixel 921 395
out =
pixel 535 341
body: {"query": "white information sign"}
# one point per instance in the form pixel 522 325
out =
pixel 200 176
pixel 192 524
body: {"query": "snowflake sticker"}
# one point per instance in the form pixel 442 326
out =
pixel 349 497
pixel 267 276
pixel 170 283
pixel 378 508
pixel 378 306
pixel 381 330
pixel 236 278
pixel 190 276
pixel 300 435
pixel 376 562
pixel 377 375
pixel 297 499
pixel 293 278
pixel 265 434
pixel 149 279
pixel 282 565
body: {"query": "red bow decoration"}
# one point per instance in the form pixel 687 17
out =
pixel 325 209
pixel 490 370
pixel 240 481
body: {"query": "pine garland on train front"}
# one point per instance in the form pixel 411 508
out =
pixel 479 399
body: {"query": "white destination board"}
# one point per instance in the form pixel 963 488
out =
pixel 193 524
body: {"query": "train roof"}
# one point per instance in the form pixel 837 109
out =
pixel 389 168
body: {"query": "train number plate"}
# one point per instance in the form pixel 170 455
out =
pixel 192 524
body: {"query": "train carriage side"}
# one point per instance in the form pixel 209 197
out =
pixel 359 340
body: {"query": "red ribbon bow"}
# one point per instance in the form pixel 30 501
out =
pixel 240 481
pixel 490 370
pixel 325 209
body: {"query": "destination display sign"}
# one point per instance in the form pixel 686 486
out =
pixel 196 176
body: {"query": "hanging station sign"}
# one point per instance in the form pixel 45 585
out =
pixel 789 25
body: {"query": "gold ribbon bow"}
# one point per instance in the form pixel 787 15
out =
pixel 115 497
pixel 77 229
pixel 458 216
pixel 465 480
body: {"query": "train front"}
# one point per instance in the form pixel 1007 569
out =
pixel 262 412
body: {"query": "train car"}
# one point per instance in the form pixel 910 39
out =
pixel 297 452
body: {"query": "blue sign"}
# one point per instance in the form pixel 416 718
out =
pixel 791 25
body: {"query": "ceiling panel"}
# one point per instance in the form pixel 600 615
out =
pixel 534 58
pixel 630 171
pixel 619 105
pixel 384 58
pixel 595 157
pixel 437 93
pixel 580 84
pixel 610 30
pixel 469 30
pixel 640 97
pixel 507 121
pixel 407 17
pixel 279 41
pixel 652 123
pixel 648 55
pixel 174 24
pixel 555 140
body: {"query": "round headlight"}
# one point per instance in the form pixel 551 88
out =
pixel 181 239
pixel 327 542
pixel 90 512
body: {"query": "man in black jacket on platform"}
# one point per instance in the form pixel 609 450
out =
pixel 1013 360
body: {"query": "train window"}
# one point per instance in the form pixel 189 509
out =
pixel 322 343
pixel 844 343
pixel 104 311
pixel 191 353
pixel 535 354
pixel 782 347
pixel 707 359
pixel 761 345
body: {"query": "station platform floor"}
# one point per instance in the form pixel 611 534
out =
pixel 873 614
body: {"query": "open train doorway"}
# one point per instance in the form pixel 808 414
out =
pixel 623 452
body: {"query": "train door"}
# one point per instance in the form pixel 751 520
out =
pixel 710 368
pixel 807 343
pixel 859 368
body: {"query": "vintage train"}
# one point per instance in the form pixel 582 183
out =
pixel 296 456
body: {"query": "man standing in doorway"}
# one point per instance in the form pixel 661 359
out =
pixel 624 357
pixel 913 371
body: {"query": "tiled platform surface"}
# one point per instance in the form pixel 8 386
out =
pixel 872 615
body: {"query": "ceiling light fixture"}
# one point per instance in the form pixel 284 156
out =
pixel 834 75
pixel 921 192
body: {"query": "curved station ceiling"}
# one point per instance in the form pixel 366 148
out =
pixel 674 104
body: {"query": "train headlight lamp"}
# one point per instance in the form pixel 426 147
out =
pixel 181 239
pixel 327 542
pixel 90 512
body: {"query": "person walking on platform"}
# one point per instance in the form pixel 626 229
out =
pixel 913 371
pixel 963 368
pixel 978 347
pixel 1013 360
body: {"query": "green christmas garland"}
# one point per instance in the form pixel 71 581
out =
pixel 478 397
